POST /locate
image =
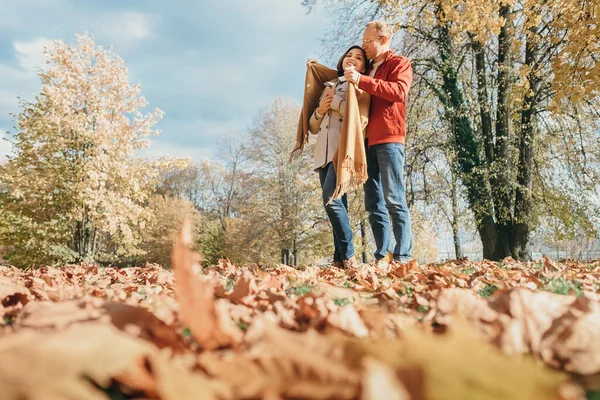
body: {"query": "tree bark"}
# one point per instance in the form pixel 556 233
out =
pixel 523 197
pixel 84 240
pixel 500 177
pixel 484 106
pixel 468 147
pixel 455 221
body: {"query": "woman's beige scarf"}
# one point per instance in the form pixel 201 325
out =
pixel 350 159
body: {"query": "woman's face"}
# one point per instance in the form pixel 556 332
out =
pixel 354 58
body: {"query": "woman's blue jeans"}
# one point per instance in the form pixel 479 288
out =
pixel 337 212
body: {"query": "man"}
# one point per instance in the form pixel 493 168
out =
pixel 388 83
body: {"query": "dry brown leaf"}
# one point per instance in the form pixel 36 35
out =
pixel 210 325
pixel 244 288
pixel 40 315
pixel 146 325
pixel 347 320
pixel 153 377
pixel 381 382
pixel 61 364
pixel 573 342
pixel 12 293
pixel 283 363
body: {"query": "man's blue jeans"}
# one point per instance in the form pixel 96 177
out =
pixel 337 211
pixel 385 193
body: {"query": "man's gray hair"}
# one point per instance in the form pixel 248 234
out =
pixel 382 28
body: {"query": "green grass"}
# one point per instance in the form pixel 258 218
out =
pixel 299 290
pixel 565 287
pixel 341 301
pixel 593 395
pixel 242 325
pixel 488 290
pixel 408 290
pixel 186 333
pixel 230 283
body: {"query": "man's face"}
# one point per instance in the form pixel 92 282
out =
pixel 372 43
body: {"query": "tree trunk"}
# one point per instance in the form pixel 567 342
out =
pixel 523 200
pixel 455 222
pixel 468 148
pixel 500 177
pixel 285 256
pixel 84 240
pixel 295 252
pixel 484 106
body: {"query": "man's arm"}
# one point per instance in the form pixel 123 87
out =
pixel 395 88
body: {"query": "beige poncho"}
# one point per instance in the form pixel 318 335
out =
pixel 350 159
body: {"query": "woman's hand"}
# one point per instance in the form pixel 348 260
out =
pixel 325 103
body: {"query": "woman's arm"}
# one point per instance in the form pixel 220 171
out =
pixel 315 123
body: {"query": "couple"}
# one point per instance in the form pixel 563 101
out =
pixel 359 116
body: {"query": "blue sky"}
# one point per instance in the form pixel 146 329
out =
pixel 210 65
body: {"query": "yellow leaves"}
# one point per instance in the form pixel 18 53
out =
pixel 482 372
pixel 77 142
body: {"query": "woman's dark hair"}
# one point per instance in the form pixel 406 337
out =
pixel 340 70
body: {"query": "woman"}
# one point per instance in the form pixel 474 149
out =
pixel 327 122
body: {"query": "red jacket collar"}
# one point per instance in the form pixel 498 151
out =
pixel 388 54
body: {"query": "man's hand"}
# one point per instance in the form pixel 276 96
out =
pixel 352 75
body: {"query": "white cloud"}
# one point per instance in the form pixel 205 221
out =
pixel 31 54
pixel 125 29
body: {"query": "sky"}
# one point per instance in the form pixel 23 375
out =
pixel 210 65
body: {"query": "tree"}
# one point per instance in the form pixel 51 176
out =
pixel 288 194
pixel 73 188
pixel 161 230
pixel 499 69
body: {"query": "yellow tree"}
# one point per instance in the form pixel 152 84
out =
pixel 500 70
pixel 288 196
pixel 73 187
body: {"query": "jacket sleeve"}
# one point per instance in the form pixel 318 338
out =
pixel 395 87
pixel 314 124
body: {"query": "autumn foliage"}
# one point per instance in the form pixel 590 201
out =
pixel 411 331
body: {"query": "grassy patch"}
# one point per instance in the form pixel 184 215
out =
pixel 230 283
pixel 242 325
pixel 299 290
pixel 488 290
pixel 341 301
pixel 408 290
pixel 186 333
pixel 348 284
pixel 565 287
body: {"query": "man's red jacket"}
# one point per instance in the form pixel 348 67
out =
pixel 389 91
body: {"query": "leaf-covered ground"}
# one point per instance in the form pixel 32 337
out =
pixel 459 330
